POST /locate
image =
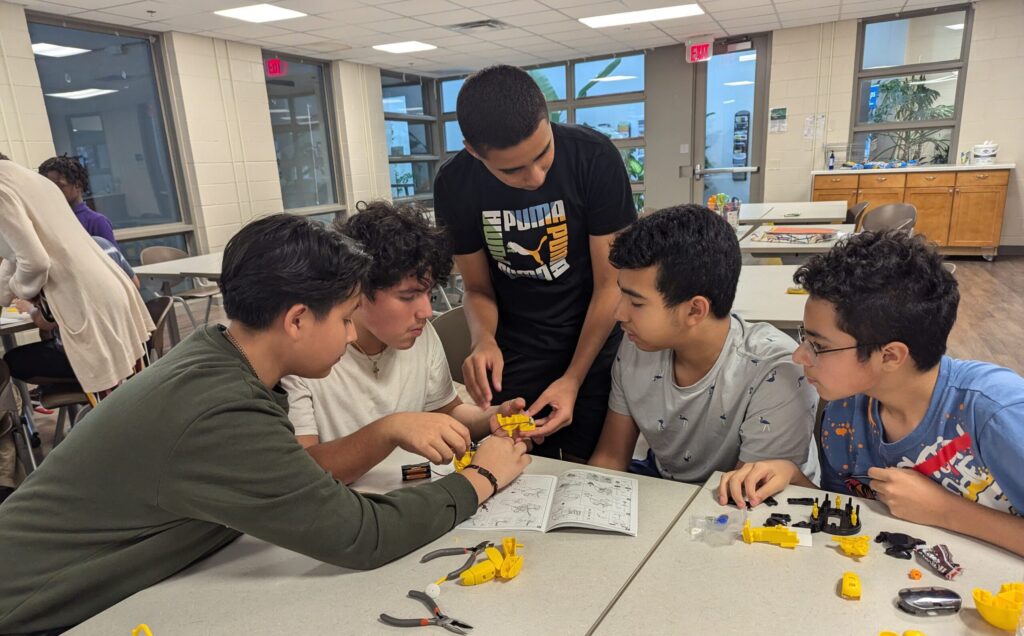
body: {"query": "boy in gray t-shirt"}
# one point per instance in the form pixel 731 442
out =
pixel 708 390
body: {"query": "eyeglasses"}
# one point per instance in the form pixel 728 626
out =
pixel 814 352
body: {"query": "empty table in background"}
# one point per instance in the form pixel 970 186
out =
pixel 803 212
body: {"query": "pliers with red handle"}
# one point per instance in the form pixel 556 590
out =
pixel 439 619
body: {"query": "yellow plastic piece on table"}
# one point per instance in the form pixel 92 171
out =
pixel 517 421
pixel 913 632
pixel 839 501
pixel 853 516
pixel 814 510
pixel 888 634
pixel 1002 610
pixel 796 289
pixel 142 629
pixel 509 545
pixel 779 535
pixel 465 460
pixel 479 573
pixel 854 546
pixel 850 589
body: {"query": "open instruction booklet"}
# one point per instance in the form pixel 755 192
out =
pixel 574 499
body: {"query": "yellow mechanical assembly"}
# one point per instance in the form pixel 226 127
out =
pixel 504 563
pixel 1002 610
pixel 778 535
pixel 465 460
pixel 854 546
pixel 518 421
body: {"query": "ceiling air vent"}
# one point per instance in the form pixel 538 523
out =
pixel 480 26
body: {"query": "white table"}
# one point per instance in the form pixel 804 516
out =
pixel 749 246
pixel 761 296
pixel 250 587
pixel 793 212
pixel 688 587
pixel 202 266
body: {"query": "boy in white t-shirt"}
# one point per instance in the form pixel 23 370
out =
pixel 393 388
pixel 708 390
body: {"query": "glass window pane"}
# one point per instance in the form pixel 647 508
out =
pixel 558 116
pixel 452 136
pixel 728 130
pixel 638 201
pixel 450 94
pixel 405 138
pixel 634 160
pixel 926 145
pixel 411 179
pixel 297 106
pixel 103 108
pixel 326 218
pixel 133 248
pixel 929 38
pixel 402 96
pixel 907 98
pixel 610 76
pixel 551 81
pixel 620 121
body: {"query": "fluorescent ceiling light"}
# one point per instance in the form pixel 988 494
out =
pixel 648 15
pixel 613 78
pixel 405 47
pixel 739 83
pixel 729 101
pixel 85 93
pixel 260 13
pixel 749 57
pixel 56 50
pixel 955 27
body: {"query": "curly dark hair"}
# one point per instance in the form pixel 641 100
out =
pixel 695 250
pixel 887 287
pixel 4 157
pixel 498 107
pixel 284 260
pixel 68 167
pixel 400 241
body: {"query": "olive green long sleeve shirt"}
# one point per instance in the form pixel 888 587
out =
pixel 171 467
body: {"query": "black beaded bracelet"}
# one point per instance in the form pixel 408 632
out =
pixel 486 474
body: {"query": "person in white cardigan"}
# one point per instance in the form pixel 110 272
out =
pixel 103 321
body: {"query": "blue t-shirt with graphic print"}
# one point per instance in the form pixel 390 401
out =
pixel 971 440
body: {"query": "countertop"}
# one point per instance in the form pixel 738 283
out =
pixel 949 168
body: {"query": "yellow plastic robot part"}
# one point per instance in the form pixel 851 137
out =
pixel 142 630
pixel 853 546
pixel 909 632
pixel 509 545
pixel 465 460
pixel 839 501
pixel 850 589
pixel 814 510
pixel 479 573
pixel 517 421
pixel 779 535
pixel 1002 610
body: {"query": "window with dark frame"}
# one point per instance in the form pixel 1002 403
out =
pixel 908 86
pixel 411 135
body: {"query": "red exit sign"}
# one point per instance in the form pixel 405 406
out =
pixel 276 67
pixel 699 52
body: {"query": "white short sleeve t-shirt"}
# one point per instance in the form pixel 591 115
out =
pixel 413 380
pixel 753 405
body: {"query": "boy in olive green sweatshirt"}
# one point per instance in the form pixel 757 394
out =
pixel 198 448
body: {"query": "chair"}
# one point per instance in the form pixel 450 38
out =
pixel 854 214
pixel 159 309
pixel 12 421
pixel 204 289
pixel 892 216
pixel 453 331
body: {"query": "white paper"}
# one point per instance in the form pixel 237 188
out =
pixel 599 500
pixel 522 505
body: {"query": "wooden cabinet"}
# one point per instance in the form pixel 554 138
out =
pixel 934 207
pixel 960 210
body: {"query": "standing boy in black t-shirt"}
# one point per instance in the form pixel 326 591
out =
pixel 532 208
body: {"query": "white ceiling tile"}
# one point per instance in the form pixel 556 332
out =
pixel 530 19
pixel 92 4
pixel 562 26
pixel 454 39
pixel 343 32
pixel 748 12
pixel 726 5
pixel 159 27
pixel 419 7
pixel 513 7
pixel 591 10
pixel 200 22
pixel 360 15
pixel 753 25
pixel 316 7
pixel 109 18
pixel 294 39
pixel 55 9
pixel 399 25
pixel 252 31
pixel 305 24
pixel 561 4
pixel 151 11
pixel 449 18
pixel 823 12
pixel 476 3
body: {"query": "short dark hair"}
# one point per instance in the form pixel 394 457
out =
pixel 4 157
pixel 284 260
pixel 400 241
pixel 887 287
pixel 694 249
pixel 69 168
pixel 499 107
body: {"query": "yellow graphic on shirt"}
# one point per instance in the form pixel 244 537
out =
pixel 507 233
pixel 974 488
pixel 519 249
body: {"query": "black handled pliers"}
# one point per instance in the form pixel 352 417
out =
pixel 439 619
pixel 472 552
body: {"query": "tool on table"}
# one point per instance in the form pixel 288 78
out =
pixel 472 552
pixel 441 620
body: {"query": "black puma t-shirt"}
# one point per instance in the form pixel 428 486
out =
pixel 537 241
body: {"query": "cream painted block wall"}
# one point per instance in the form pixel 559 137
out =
pixel 24 128
pixel 994 98
pixel 805 88
pixel 222 112
pixel 360 113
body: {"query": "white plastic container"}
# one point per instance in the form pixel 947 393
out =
pixel 985 153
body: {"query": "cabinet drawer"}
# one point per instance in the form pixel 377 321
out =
pixel 888 180
pixel 983 177
pixel 931 179
pixel 835 182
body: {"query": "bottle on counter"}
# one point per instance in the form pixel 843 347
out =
pixel 832 160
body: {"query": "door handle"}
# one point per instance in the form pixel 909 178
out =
pixel 698 172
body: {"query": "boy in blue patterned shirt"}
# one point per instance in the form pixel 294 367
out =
pixel 940 441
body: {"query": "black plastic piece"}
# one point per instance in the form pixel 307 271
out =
pixel 801 501
pixel 899 545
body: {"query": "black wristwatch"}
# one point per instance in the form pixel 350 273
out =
pixel 486 474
